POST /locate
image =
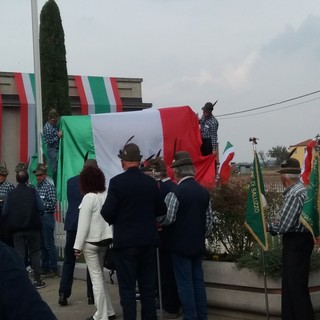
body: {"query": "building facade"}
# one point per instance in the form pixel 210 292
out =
pixel 18 108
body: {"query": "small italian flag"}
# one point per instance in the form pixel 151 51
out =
pixel 307 163
pixel 102 135
pixel 225 166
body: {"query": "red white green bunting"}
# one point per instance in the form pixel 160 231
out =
pixel 26 88
pixel 98 94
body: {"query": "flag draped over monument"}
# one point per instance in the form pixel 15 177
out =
pixel 255 221
pixel 102 135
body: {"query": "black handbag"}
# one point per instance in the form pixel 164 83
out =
pixel 108 262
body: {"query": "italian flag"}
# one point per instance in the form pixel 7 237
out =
pixel 25 84
pixel 307 161
pixel 166 130
pixel 225 166
pixel 98 94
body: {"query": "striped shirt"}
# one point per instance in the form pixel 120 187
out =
pixel 5 187
pixel 209 130
pixel 47 193
pixel 50 136
pixel 290 211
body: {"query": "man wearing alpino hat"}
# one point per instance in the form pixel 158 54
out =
pixel 188 221
pixel 131 206
pixel 297 245
pixel 48 195
pixel 209 130
pixel 51 136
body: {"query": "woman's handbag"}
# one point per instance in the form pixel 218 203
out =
pixel 108 262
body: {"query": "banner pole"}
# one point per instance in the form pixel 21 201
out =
pixel 254 147
pixel 265 284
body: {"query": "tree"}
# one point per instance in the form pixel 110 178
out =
pixel 279 153
pixel 54 75
pixel 263 157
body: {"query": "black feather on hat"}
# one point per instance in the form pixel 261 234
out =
pixel 181 158
pixel 130 152
pixel 209 106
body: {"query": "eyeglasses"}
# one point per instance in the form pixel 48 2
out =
pixel 39 175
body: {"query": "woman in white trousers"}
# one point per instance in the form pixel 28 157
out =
pixel 93 236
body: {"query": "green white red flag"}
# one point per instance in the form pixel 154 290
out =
pixel 102 135
pixel 255 220
pixel 225 166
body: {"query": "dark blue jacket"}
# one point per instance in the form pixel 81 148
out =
pixel 74 197
pixel 22 208
pixel 18 297
pixel 187 233
pixel 132 204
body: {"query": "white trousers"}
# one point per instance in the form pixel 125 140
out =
pixel 94 256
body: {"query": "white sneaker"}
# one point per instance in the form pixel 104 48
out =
pixel 29 270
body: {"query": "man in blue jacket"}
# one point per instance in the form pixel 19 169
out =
pixel 188 221
pixel 132 204
pixel 22 210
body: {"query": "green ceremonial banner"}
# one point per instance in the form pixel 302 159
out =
pixel 255 221
pixel 310 211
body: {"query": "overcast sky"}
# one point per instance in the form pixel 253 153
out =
pixel 246 54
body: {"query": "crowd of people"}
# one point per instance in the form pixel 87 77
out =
pixel 157 227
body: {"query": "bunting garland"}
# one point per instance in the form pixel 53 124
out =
pixel 98 95
pixel 25 87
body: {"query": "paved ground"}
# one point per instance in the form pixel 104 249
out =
pixel 78 309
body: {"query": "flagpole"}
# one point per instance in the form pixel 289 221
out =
pixel 254 147
pixel 265 284
pixel 37 73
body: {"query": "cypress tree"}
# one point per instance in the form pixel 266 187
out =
pixel 53 64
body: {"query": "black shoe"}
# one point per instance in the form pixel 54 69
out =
pixel 90 318
pixel 90 300
pixel 112 317
pixel 63 300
